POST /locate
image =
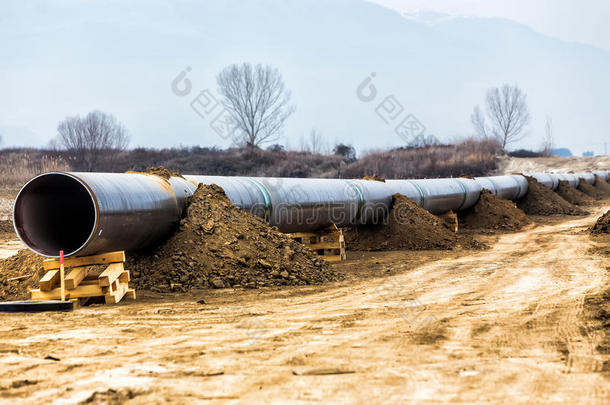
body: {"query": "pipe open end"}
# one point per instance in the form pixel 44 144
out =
pixel 53 212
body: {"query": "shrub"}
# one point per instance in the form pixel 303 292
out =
pixel 19 165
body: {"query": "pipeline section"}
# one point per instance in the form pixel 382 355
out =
pixel 88 213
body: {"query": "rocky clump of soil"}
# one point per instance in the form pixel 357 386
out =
pixel 573 195
pixel 407 227
pixel 19 274
pixel 163 172
pixel 541 200
pixel 589 190
pixel 374 177
pixel 493 213
pixel 602 185
pixel 602 226
pixel 219 245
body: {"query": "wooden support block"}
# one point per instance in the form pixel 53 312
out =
pixel 131 294
pixel 324 245
pixel 111 273
pixel 114 286
pixel 328 243
pixel 90 282
pixel 106 258
pixel 49 280
pixel 83 280
pixel 75 277
pixel 83 290
pixel 124 277
pixel 303 235
pixel 332 258
pixel 117 295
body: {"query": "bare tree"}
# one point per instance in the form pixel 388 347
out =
pixel 92 139
pixel 316 141
pixel 478 122
pixel 507 113
pixel 548 140
pixel 257 100
pixel 422 141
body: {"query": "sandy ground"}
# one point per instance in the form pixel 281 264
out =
pixel 553 164
pixel 504 325
pixel 7 196
pixel 9 247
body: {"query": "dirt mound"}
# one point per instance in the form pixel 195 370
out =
pixel 602 225
pixel 589 190
pixel 572 195
pixel 603 186
pixel 220 245
pixel 6 227
pixel 541 200
pixel 374 177
pixel 493 212
pixel 159 171
pixel 163 172
pixel 408 227
pixel 24 264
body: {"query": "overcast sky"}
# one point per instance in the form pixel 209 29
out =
pixel 65 57
pixel 585 21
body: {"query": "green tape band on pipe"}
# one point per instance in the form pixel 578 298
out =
pixel 266 197
pixel 465 193
pixel 518 185
pixel 421 192
pixel 361 199
pixel 495 186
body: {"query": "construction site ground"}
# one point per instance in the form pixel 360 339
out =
pixel 507 324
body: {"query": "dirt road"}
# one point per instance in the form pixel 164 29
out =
pixel 553 164
pixel 501 325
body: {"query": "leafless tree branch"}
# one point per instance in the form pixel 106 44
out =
pixel 92 138
pixel 507 112
pixel 257 100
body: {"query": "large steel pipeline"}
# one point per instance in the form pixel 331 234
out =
pixel 551 180
pixel 87 213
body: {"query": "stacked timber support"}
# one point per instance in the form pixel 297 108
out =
pixel 86 277
pixel 328 243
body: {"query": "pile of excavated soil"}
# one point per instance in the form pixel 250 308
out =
pixel 493 213
pixel 541 200
pixel 573 195
pixel 602 225
pixel 19 274
pixel 602 185
pixel 589 190
pixel 219 245
pixel 408 227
